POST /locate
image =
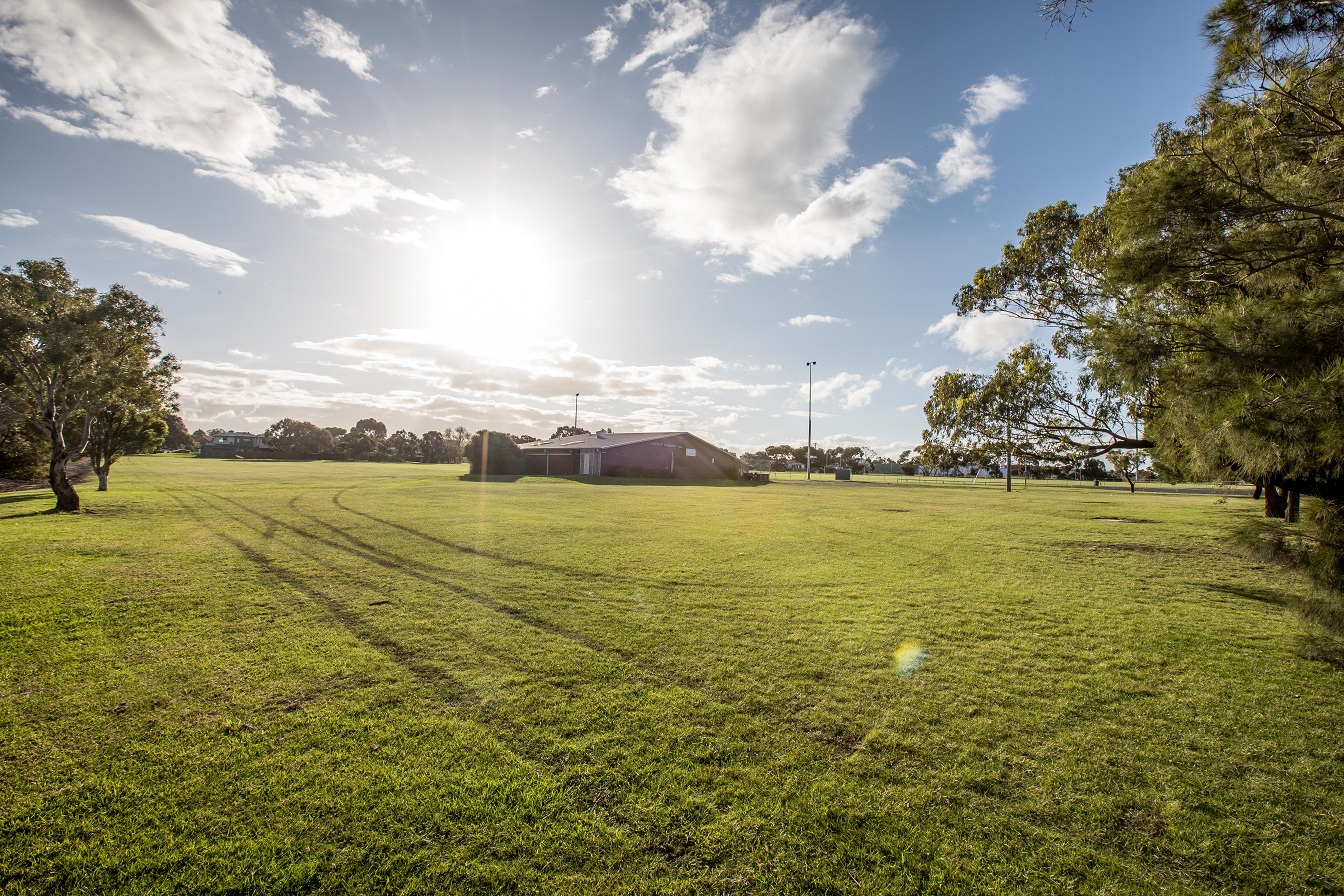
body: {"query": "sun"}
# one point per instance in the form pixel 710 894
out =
pixel 492 279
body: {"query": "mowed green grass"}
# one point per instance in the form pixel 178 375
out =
pixel 329 678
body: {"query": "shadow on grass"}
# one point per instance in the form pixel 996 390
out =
pixel 1256 594
pixel 1323 649
pixel 506 560
pixel 26 496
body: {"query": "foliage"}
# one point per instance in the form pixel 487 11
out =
pixel 402 446
pixel 566 431
pixel 122 428
pixel 178 436
pixel 1067 402
pixel 23 454
pixel 68 354
pixel 1232 240
pixel 133 419
pixel 502 457
pixel 298 438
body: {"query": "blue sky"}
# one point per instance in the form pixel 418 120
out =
pixel 463 213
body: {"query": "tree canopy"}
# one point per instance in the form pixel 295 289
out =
pixel 1199 312
pixel 71 357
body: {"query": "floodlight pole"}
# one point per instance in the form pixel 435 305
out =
pixel 576 410
pixel 810 365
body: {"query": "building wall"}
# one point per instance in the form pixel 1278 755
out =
pixel 562 463
pixel 668 457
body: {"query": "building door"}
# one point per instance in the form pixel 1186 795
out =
pixel 590 463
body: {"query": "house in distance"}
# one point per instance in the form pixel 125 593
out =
pixel 236 444
pixel 678 455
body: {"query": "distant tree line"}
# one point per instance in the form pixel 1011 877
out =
pixel 785 457
pixel 367 440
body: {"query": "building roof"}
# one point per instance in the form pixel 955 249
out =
pixel 604 440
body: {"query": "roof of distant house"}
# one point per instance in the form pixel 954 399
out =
pixel 605 440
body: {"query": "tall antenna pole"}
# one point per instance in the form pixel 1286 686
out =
pixel 810 365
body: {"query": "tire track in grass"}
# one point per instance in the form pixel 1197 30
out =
pixel 523 738
pixel 506 560
pixel 401 656
pixel 570 572
pixel 359 573
pixel 667 678
pixel 430 575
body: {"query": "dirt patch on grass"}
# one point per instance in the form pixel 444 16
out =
pixel 1118 519
pixel 79 471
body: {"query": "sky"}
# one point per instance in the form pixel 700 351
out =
pixel 465 213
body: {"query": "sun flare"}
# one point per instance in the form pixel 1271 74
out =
pixel 496 281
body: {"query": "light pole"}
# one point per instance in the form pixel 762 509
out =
pixel 576 410
pixel 810 365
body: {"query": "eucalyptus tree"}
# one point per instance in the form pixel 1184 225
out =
pixel 67 352
pixel 135 418
pixel 1064 400
pixel 1232 239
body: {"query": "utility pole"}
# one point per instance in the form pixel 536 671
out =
pixel 810 365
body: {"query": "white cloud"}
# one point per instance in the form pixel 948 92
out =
pixel 600 43
pixel 173 75
pixel 545 90
pixel 963 163
pixel 12 217
pixel 929 377
pixel 170 244
pixel 824 389
pixel 652 274
pixel 534 372
pixel 528 134
pixel 755 126
pixel 808 320
pixel 902 374
pixel 992 97
pixel 164 282
pixel 405 236
pixel 727 277
pixel 325 190
pixel 170 76
pixel 387 159
pixel 330 40
pixel 676 24
pixel 984 335
pixel 239 353
pixel 861 396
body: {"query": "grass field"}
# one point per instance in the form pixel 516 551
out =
pixel 238 677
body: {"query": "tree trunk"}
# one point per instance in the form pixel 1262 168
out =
pixel 1275 503
pixel 1290 514
pixel 1259 490
pixel 1130 480
pixel 67 499
pixel 102 478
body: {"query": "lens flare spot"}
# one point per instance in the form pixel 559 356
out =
pixel 909 657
